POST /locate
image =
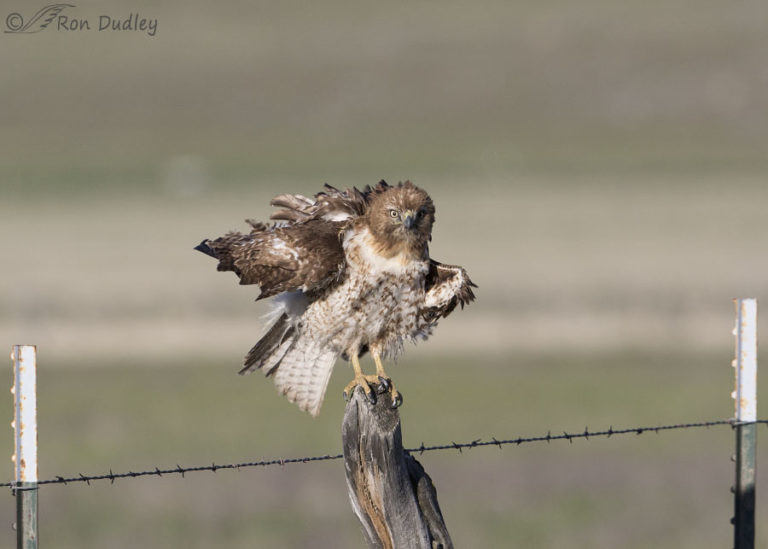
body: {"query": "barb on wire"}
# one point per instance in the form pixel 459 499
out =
pixel 549 437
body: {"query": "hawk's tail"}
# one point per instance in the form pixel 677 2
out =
pixel 301 368
pixel 303 374
pixel 271 348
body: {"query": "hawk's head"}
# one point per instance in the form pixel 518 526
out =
pixel 400 218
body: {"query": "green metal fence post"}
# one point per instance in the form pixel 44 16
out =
pixel 745 396
pixel 25 436
pixel 26 515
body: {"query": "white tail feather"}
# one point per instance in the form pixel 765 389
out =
pixel 303 374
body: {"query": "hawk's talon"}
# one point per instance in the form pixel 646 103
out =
pixel 397 399
pixel 364 382
pixel 383 385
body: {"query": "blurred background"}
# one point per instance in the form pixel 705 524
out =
pixel 600 169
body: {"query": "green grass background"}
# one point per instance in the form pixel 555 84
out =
pixel 599 168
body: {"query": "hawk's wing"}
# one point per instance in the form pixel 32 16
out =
pixel 446 287
pixel 306 256
pixel 302 251
pixel 329 205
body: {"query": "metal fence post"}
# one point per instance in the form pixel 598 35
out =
pixel 745 396
pixel 24 424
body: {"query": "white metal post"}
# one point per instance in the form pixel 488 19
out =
pixel 24 424
pixel 745 396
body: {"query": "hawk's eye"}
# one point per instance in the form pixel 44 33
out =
pixel 421 213
pixel 393 213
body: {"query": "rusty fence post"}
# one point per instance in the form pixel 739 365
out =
pixel 745 396
pixel 24 424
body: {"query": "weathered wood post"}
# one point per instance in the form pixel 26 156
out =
pixel 392 495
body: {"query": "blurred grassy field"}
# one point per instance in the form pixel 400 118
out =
pixel 599 168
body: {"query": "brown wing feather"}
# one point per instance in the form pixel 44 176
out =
pixel 306 256
pixel 446 286
pixel 303 252
pixel 330 205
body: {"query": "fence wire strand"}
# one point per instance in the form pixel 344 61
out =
pixel 459 446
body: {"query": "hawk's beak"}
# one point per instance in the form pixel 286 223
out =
pixel 409 219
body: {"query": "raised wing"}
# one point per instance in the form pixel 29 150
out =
pixel 446 287
pixel 306 256
pixel 329 205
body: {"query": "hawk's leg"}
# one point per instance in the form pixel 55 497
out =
pixel 362 380
pixel 397 398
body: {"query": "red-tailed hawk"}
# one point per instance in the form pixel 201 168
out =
pixel 350 272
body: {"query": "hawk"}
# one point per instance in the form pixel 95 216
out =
pixel 350 273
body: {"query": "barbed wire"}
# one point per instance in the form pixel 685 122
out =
pixel 460 446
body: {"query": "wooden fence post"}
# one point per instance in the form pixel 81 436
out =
pixel 391 494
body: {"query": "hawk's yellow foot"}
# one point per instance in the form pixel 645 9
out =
pixel 365 383
pixel 386 381
pixel 380 380
pixel 360 380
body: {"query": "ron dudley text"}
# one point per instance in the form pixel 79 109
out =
pixel 108 23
